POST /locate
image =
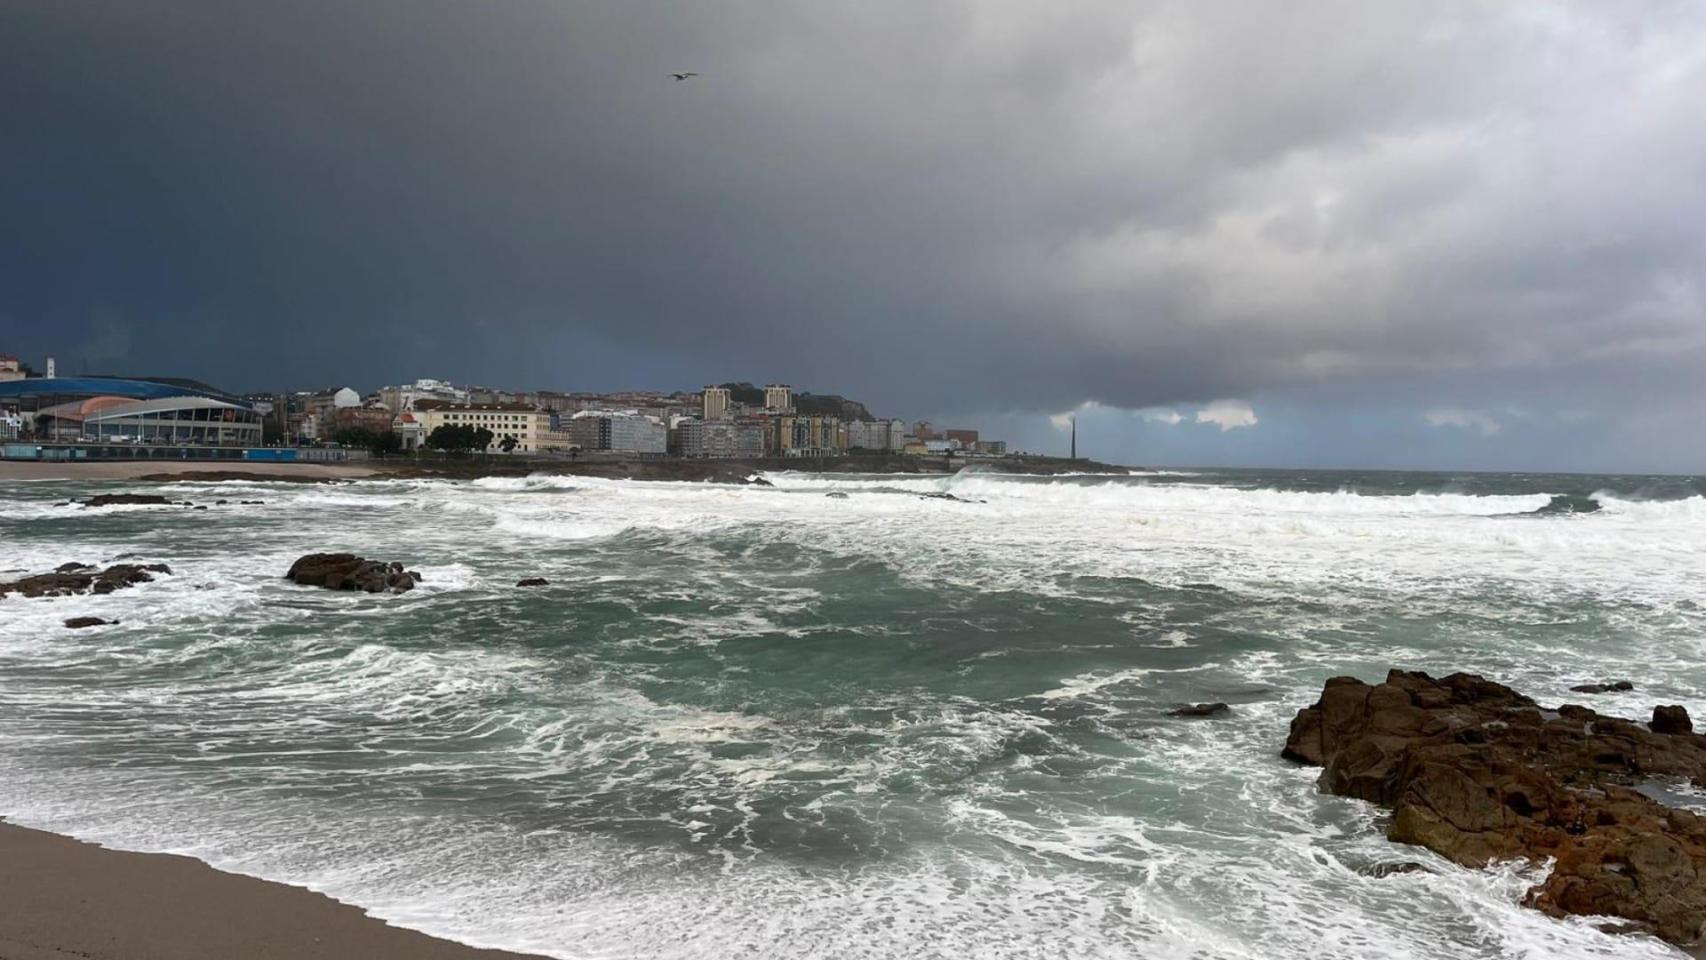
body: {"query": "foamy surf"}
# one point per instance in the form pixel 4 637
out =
pixel 760 721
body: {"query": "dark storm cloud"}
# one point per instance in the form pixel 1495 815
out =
pixel 939 206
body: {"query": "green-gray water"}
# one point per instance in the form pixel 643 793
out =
pixel 749 722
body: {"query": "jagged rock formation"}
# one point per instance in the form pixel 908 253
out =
pixel 1477 772
pixel 346 571
pixel 75 578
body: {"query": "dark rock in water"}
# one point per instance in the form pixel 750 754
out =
pixel 68 567
pixel 220 503
pixel 346 571
pixel 949 496
pixel 1610 686
pixel 64 583
pixel 1476 772
pixel 199 508
pixel 1200 710
pixel 758 482
pixel 124 499
pixel 77 623
pixel 1670 720
pixel 836 495
pixel 251 503
pixel 533 582
pixel 1382 870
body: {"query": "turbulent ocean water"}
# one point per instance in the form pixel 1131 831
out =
pixel 767 722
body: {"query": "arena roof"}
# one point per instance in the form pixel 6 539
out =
pixel 37 387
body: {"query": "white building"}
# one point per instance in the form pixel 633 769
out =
pixel 716 403
pixel 400 398
pixel 625 431
pixel 779 398
pixel 889 435
pixel 345 397
pixel 531 427
pixel 720 439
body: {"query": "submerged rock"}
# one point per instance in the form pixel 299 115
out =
pixel 950 497
pixel 1200 710
pixel 533 582
pixel 1609 686
pixel 1477 772
pixel 346 571
pixel 125 499
pixel 77 623
pixel 83 579
pixel 836 495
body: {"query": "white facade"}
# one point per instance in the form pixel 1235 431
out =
pixel 889 435
pixel 403 397
pixel 721 439
pixel 716 403
pixel 779 398
pixel 346 397
pixel 530 428
pixel 619 432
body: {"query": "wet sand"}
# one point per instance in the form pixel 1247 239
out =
pixel 185 470
pixel 61 898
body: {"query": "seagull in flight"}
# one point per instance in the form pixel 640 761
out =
pixel 682 76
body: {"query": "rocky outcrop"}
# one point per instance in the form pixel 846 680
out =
pixel 125 499
pixel 533 582
pixel 71 579
pixel 346 571
pixel 78 623
pixel 1610 686
pixel 1671 719
pixel 1477 772
pixel 1200 710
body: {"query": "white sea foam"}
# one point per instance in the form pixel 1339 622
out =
pixel 749 721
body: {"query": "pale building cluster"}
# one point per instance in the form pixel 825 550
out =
pixel 722 421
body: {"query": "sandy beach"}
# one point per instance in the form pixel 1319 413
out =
pixel 186 470
pixel 64 898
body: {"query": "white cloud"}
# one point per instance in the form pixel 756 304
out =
pixel 1166 415
pixel 1228 415
pixel 1462 419
pixel 1063 421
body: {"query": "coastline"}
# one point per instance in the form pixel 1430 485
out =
pixel 186 470
pixel 66 898
pixel 471 468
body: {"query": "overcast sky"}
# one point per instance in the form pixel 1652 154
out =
pixel 1287 233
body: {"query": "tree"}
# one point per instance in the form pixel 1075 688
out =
pixel 508 443
pixel 451 437
pixel 379 442
pixel 483 438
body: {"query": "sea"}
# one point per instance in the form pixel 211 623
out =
pixel 831 717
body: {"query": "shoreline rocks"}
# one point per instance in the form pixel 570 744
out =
pixel 126 499
pixel 78 623
pixel 533 582
pixel 1609 686
pixel 70 579
pixel 346 571
pixel 1477 772
pixel 1200 710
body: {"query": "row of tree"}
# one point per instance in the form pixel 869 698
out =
pixel 452 438
pixel 463 437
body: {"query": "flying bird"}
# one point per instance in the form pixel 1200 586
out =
pixel 682 76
